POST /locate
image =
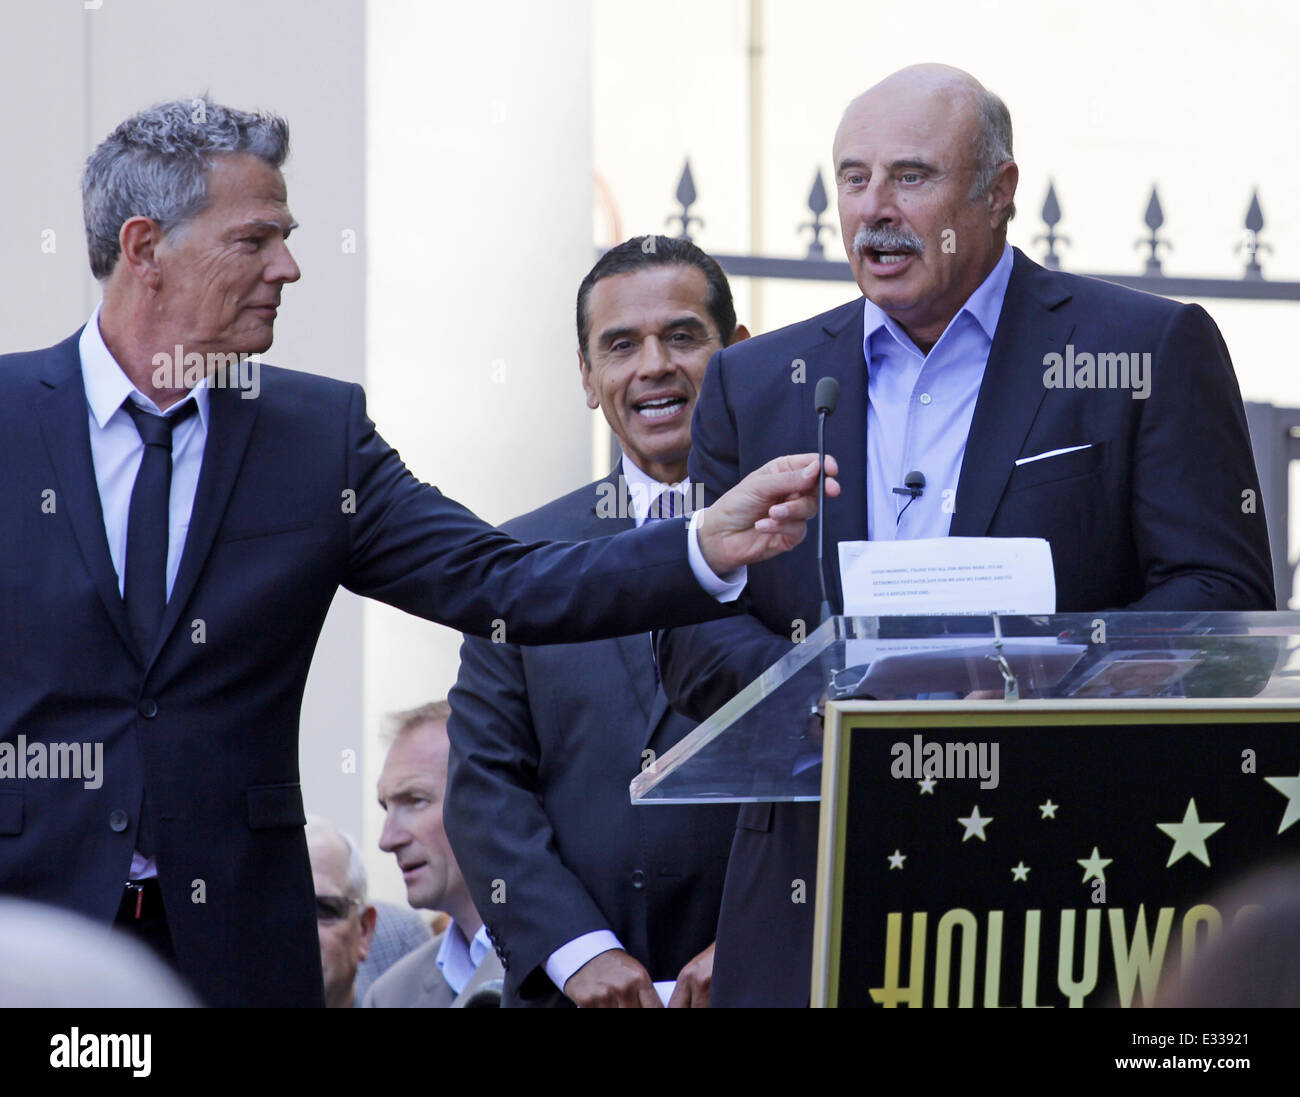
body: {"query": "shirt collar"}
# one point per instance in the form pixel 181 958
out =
pixel 643 489
pixel 458 960
pixel 107 386
pixel 984 307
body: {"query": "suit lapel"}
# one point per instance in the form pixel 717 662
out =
pixel 65 425
pixel 437 991
pixel 230 423
pixel 1029 327
pixel 592 522
pixel 658 710
pixel 846 436
pixel 488 970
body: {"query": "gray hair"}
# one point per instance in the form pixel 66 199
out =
pixel 356 869
pixel 992 143
pixel 356 877
pixel 155 165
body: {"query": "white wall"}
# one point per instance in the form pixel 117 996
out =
pixel 478 233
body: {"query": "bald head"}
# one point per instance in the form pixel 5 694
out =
pixel 345 923
pixel 926 186
pixel 919 84
pixel 941 94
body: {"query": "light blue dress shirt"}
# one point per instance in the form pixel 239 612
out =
pixel 919 410
pixel 458 959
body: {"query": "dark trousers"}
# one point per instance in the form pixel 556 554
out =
pixel 765 926
pixel 141 915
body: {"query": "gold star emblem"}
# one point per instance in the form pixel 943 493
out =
pixel 1020 872
pixel 896 860
pixel 1095 866
pixel 974 824
pixel 1048 809
pixel 1290 788
pixel 1189 836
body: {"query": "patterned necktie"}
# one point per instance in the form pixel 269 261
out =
pixel 145 584
pixel 669 503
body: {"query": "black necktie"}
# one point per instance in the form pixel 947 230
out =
pixel 145 590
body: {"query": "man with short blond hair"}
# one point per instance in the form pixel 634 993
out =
pixel 458 966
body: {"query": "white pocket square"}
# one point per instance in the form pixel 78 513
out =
pixel 1052 453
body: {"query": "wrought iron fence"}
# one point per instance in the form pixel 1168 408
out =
pixel 814 266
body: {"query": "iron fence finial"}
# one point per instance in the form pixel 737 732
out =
pixel 1252 245
pixel 1051 218
pixel 817 205
pixel 685 199
pixel 1155 218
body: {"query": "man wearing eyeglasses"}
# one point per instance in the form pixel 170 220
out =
pixel 345 922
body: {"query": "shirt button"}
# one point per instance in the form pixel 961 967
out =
pixel 925 397
pixel 638 879
pixel 117 821
pixel 148 708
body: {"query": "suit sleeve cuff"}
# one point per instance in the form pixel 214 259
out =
pixel 724 588
pixel 567 959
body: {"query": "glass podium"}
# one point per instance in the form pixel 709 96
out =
pixel 765 744
pixel 1006 801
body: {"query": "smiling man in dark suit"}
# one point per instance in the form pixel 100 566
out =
pixel 1141 478
pixel 601 898
pixel 173 542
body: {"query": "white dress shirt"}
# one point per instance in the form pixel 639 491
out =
pixel 116 450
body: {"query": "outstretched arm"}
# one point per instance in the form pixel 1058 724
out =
pixel 412 547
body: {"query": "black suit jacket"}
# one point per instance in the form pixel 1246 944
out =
pixel 544 743
pixel 298 495
pixel 1151 516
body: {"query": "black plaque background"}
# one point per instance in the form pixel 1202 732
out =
pixel 1112 785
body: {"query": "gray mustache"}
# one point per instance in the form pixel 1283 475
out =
pixel 884 238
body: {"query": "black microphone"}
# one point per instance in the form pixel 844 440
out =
pixel 826 397
pixel 914 485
